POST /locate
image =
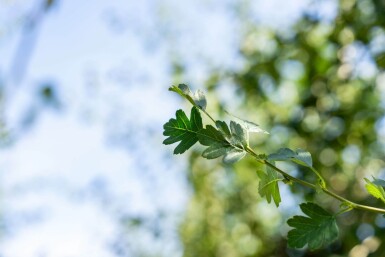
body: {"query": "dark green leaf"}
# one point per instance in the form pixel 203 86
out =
pixel 210 135
pixel 184 130
pixel 268 186
pixel 316 230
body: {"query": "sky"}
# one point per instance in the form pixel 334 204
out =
pixel 75 174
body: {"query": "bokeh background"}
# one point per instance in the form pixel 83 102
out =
pixel 83 97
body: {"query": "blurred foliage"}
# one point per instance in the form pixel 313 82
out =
pixel 320 87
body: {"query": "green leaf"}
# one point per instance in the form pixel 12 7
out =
pixel 374 189
pixel 249 125
pixel 216 150
pixel 231 155
pixel 210 135
pixel 300 157
pixel 223 128
pixel 316 230
pixel 268 186
pixel 183 129
pixel 219 142
pixel 283 154
pixel 239 135
pixel 303 158
pixel 234 155
pixel 197 99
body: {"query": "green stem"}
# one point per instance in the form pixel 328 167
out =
pixel 349 208
pixel 286 175
pixel 208 115
pixel 190 99
pixel 321 179
pixel 312 186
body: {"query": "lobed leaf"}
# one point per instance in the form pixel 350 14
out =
pixel 268 186
pixel 234 155
pixel 315 231
pixel 215 150
pixel 223 128
pixel 239 135
pixel 210 135
pixel 374 189
pixel 222 141
pixel 183 129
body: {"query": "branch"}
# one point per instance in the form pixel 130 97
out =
pixel 313 186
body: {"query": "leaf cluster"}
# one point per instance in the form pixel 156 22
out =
pixel 221 139
pixel 231 141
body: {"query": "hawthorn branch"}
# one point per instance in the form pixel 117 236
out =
pixel 353 205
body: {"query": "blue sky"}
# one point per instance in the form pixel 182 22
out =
pixel 69 181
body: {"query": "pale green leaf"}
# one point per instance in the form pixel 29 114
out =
pixel 240 137
pixel 223 128
pixel 283 154
pixel 317 230
pixel 249 125
pixel 303 158
pixel 197 99
pixel 300 157
pixel 234 155
pixel 375 190
pixel 268 185
pixel 200 99
pixel 216 150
